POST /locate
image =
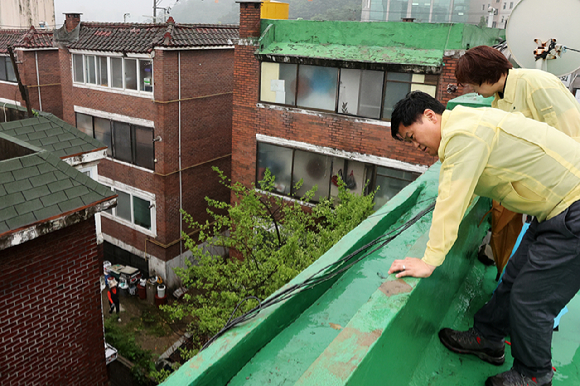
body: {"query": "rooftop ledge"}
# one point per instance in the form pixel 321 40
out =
pixel 364 326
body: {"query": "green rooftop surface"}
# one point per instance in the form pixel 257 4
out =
pixel 469 100
pixel 36 185
pixel 52 134
pixel 377 42
pixel 365 327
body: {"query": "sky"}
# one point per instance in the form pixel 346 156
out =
pixel 109 10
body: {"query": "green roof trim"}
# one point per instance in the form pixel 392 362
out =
pixel 377 42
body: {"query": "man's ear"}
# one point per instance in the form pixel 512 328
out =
pixel 430 115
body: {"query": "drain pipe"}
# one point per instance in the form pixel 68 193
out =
pixel 38 81
pixel 179 156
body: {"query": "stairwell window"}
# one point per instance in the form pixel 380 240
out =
pixel 125 142
pixel 356 92
pixel 129 74
pixel 133 207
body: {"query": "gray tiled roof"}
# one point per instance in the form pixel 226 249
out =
pixel 52 134
pixel 37 186
pixel 26 38
pixel 142 38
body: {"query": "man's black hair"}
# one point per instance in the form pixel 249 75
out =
pixel 410 109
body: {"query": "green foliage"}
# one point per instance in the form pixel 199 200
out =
pixel 272 238
pixel 125 344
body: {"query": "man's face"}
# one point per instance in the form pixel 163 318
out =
pixel 485 89
pixel 425 134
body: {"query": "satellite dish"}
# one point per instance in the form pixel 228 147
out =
pixel 537 28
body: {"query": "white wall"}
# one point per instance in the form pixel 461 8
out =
pixel 33 12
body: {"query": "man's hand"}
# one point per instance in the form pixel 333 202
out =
pixel 411 266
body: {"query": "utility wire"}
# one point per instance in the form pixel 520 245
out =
pixel 336 268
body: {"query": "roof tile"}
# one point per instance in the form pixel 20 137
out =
pixel 17 186
pixel 12 199
pixel 40 191
pixel 10 164
pixel 53 198
pixel 8 213
pixel 73 204
pixel 43 179
pixel 6 176
pixel 57 186
pixel 48 212
pixel 26 173
pixel 20 221
pixel 28 206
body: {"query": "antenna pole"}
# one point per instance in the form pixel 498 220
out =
pixel 154 11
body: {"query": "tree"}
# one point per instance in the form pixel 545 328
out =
pixel 270 240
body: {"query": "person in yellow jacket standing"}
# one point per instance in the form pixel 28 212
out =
pixel 529 167
pixel 538 95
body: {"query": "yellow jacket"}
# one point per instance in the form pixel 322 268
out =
pixel 528 166
pixel 541 96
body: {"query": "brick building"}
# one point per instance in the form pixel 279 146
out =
pixel 312 99
pixel 38 66
pixel 51 329
pixel 159 96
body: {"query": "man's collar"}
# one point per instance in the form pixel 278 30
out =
pixel 509 89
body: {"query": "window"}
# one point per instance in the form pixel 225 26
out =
pixel 340 90
pixel 399 84
pixel 114 72
pixel 126 142
pixel 511 4
pixel 6 69
pixel 504 5
pixel 288 166
pixel 132 208
pixel 360 92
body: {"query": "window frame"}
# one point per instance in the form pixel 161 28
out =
pixel 370 171
pixel 97 62
pixel 132 138
pixel 338 94
pixel 5 61
pixel 117 186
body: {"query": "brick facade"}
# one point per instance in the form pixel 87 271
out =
pixel 51 329
pixel 48 80
pixel 336 131
pixel 206 120
pixel 447 78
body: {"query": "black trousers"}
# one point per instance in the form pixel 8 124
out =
pixel 539 280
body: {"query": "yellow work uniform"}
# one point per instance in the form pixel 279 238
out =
pixel 541 96
pixel 528 166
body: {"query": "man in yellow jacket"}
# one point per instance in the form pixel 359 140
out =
pixel 529 167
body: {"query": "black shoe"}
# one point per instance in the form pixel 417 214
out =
pixel 470 342
pixel 514 378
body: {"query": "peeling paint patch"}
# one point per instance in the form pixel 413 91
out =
pixel 335 326
pixel 394 287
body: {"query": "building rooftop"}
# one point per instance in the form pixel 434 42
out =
pixel 363 326
pixel 53 134
pixel 143 38
pixel 37 187
pixel 421 44
pixel 25 38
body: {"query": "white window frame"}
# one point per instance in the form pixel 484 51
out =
pixel 109 87
pixel 132 191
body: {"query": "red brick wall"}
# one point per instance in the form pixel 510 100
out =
pixel 10 91
pixel 206 122
pixel 51 330
pixel 49 78
pixel 446 78
pixel 250 19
